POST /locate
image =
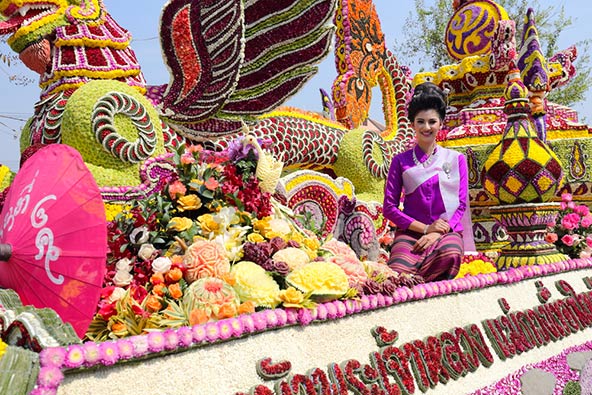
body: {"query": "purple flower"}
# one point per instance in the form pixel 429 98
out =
pixel 281 268
pixel 43 391
pixel 50 377
pixel 171 339
pixel 271 318
pixel 125 348
pixel 237 327
pixel 371 287
pixel 109 353
pixel 388 286
pixel 212 331
pixel 247 322
pixel 304 317
pixel 277 243
pixel 52 356
pixel 92 355
pixel 238 151
pixel 156 341
pixel 224 329
pixel 260 321
pixel 74 356
pixel 185 336
pixel 140 345
pixel 199 333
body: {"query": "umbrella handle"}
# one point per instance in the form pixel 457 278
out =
pixel 5 252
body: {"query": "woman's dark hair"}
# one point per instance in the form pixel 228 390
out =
pixel 427 96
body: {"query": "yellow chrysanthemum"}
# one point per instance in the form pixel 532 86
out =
pixel 3 347
pixel 253 283
pixel 324 280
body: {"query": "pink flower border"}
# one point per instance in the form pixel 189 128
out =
pixel 91 355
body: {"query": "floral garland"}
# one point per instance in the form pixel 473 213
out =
pixel 54 361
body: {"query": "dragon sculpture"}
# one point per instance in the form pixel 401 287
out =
pixel 230 61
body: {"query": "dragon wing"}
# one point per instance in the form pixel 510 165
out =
pixel 203 49
pixel 283 41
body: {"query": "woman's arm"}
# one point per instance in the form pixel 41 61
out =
pixel 392 196
pixel 463 193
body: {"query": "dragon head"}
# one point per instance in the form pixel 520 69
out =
pixel 28 23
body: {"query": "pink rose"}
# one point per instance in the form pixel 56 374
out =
pixel 571 205
pixel 570 221
pixel 205 258
pixel 568 240
pixel 589 241
pixel 566 197
pixel 552 224
pixel 551 237
pixel 582 210
pixel 187 158
pixel 587 221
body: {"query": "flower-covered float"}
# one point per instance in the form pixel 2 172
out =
pixel 234 277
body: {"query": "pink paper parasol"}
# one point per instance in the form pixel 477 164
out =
pixel 53 236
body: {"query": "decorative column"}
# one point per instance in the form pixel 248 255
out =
pixel 535 74
pixel 524 174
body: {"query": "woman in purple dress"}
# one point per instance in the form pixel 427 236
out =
pixel 428 240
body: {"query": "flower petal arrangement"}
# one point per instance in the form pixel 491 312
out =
pixel 212 246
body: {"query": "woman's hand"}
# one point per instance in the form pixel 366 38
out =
pixel 439 226
pixel 425 241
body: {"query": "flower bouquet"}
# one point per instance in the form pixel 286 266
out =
pixel 572 230
pixel 213 245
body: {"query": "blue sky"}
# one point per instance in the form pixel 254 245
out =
pixel 141 18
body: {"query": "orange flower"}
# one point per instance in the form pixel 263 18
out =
pixel 118 327
pixel 228 278
pixel 177 188
pixel 211 183
pixel 157 278
pixel 159 289
pixel 198 316
pixel 153 303
pixel 175 291
pixel 226 311
pixel 173 275
pixel 247 307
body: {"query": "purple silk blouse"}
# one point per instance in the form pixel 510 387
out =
pixel 438 190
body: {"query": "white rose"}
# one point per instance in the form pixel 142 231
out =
pixel 122 278
pixel 123 265
pixel 139 235
pixel 161 264
pixel 146 251
pixel 116 295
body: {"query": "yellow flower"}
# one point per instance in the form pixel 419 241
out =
pixel 297 237
pixel 255 238
pixel 3 347
pixel 111 210
pixel 311 243
pixel 188 202
pixel 324 280
pixel 262 226
pixel 180 224
pixel 291 297
pixel 255 284
pixel 208 224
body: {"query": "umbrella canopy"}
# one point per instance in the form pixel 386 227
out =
pixel 53 236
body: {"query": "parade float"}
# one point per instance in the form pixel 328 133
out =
pixel 200 230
